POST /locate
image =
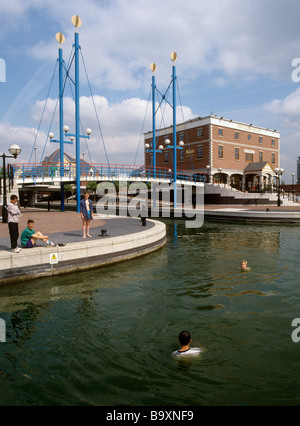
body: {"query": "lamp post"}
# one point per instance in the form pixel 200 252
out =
pixel 71 136
pixel 220 171
pixel 14 150
pixel 293 176
pixel 279 172
pixel 208 173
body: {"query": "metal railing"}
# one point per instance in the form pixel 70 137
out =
pixel 55 172
pixel 9 179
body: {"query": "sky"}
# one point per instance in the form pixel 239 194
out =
pixel 238 59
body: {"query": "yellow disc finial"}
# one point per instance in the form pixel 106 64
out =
pixel 174 56
pixel 60 38
pixel 76 21
pixel 153 67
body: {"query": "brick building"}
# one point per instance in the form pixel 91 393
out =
pixel 226 151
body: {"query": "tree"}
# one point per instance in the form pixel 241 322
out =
pixel 92 186
pixel 69 191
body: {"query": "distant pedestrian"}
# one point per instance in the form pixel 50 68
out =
pixel 13 220
pixel 185 341
pixel 86 212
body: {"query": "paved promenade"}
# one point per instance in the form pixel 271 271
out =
pixel 267 213
pixel 284 209
pixel 65 227
pixel 127 239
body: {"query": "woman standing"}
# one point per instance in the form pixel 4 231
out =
pixel 86 211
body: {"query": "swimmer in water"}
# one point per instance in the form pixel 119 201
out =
pixel 185 341
pixel 244 266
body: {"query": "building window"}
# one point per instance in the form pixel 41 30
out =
pixel 181 136
pixel 273 142
pixel 249 137
pixel 237 136
pixel 260 140
pixel 199 151
pixel 273 158
pixel 220 151
pixel 249 157
pixel 220 132
pixel 181 155
pixel 237 153
pixel 261 156
pixel 166 157
pixel 199 133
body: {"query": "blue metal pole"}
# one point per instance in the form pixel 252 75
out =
pixel 154 125
pixel 154 140
pixel 77 121
pixel 61 125
pixel 174 138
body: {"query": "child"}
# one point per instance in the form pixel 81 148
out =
pixel 185 340
pixel 86 212
pixel 244 266
pixel 13 220
pixel 29 237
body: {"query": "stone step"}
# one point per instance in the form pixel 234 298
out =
pixel 227 191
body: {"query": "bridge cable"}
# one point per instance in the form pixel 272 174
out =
pixel 40 123
pixel 142 131
pixel 67 72
pixel 98 121
pixel 185 130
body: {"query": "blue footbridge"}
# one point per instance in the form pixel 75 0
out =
pixel 35 174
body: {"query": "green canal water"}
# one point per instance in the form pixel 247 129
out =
pixel 104 337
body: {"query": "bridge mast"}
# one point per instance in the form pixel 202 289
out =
pixel 174 58
pixel 61 39
pixel 65 129
pixel 77 23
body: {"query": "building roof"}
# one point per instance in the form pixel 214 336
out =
pixel 219 121
pixel 256 167
pixel 55 158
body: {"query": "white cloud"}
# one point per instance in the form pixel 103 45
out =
pixel 287 114
pixel 22 136
pixel 287 110
pixel 120 39
pixel 122 126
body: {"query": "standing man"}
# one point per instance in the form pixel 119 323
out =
pixel 13 219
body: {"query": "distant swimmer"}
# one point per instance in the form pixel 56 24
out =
pixel 185 350
pixel 244 266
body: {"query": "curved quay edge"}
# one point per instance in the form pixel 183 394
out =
pixel 244 215
pixel 35 263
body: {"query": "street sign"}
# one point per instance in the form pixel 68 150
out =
pixel 53 258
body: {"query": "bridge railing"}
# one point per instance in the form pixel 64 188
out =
pixel 46 172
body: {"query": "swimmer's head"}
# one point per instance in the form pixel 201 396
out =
pixel 244 264
pixel 184 338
